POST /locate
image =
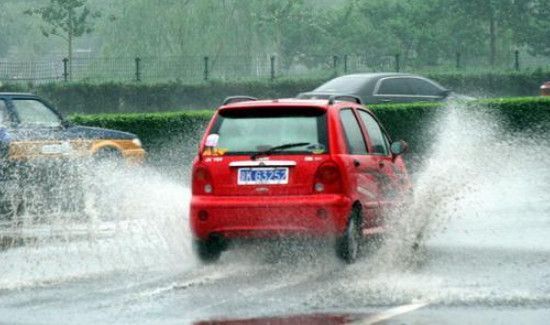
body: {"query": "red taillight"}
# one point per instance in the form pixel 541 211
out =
pixel 202 181
pixel 328 179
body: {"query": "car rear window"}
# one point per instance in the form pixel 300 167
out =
pixel 346 84
pixel 253 130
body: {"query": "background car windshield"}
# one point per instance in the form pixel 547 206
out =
pixel 33 112
pixel 259 130
pixel 347 84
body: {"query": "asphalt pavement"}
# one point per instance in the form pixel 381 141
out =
pixel 482 201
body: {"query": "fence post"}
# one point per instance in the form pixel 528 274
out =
pixel 205 68
pixel 457 60
pixel 345 64
pixel 335 64
pixel 65 69
pixel 138 69
pixel 397 63
pixel 516 54
pixel 272 63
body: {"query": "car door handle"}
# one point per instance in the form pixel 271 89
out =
pixel 386 100
pixel 356 163
pixel 381 164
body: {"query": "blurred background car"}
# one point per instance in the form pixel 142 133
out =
pixel 42 155
pixel 379 88
pixel 545 89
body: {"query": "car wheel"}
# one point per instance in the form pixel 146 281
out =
pixel 348 246
pixel 108 156
pixel 208 251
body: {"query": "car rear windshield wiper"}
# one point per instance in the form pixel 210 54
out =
pixel 278 148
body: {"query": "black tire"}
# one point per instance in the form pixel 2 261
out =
pixel 348 246
pixel 208 251
pixel 109 157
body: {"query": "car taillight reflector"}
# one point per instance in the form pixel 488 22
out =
pixel 328 179
pixel 202 174
pixel 202 181
pixel 328 173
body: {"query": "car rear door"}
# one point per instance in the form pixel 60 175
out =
pixel 389 172
pixel 362 167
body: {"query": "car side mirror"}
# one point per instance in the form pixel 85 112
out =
pixel 398 148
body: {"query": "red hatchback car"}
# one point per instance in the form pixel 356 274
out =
pixel 294 168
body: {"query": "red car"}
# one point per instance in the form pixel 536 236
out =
pixel 294 168
pixel 545 89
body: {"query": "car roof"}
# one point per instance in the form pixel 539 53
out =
pixel 360 84
pixel 373 76
pixel 16 94
pixel 379 75
pixel 287 103
pixel 283 103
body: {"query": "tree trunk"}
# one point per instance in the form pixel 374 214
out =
pixel 492 34
pixel 70 56
pixel 70 41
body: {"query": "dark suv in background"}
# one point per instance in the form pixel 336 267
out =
pixel 378 88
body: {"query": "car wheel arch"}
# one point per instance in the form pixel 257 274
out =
pixel 105 145
pixel 107 150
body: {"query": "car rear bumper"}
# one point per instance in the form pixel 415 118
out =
pixel 269 217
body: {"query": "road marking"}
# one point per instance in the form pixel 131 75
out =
pixel 391 313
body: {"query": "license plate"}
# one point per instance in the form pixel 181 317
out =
pixel 264 176
pixel 51 149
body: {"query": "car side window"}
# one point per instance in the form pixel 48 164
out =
pixel 32 112
pixel 424 88
pixel 353 134
pixel 3 113
pixel 377 138
pixel 394 86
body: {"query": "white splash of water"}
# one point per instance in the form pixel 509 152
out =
pixel 481 203
pixel 133 221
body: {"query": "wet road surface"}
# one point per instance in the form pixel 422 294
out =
pixel 485 212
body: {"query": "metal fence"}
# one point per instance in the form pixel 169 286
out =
pixel 193 69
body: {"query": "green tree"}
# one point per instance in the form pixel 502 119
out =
pixel 67 19
pixel 496 17
pixel 5 23
pixel 533 28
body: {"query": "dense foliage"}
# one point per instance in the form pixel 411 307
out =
pixel 411 122
pixel 428 32
pixel 122 97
